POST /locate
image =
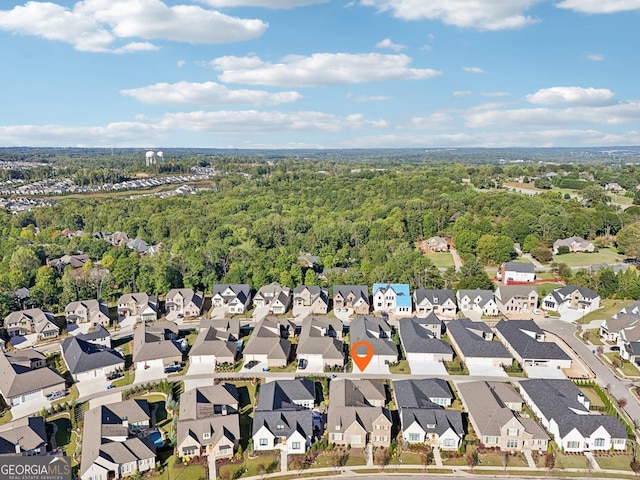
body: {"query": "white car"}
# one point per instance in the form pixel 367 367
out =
pixel 536 311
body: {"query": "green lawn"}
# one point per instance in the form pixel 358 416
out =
pixel 252 466
pixel 441 259
pixel 604 255
pixel 71 396
pixel 127 379
pixel 591 394
pixel 401 367
pixel 608 308
pixel 178 472
pixel 628 368
pixel 495 460
pixel 65 439
pixel 571 461
pixel 454 367
pixel 622 462
pixel 546 288
pixel 592 335
pixel 6 417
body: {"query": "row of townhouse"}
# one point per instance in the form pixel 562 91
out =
pixel 623 331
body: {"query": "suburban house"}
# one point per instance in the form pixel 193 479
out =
pixel 307 260
pixel 112 446
pixel 208 421
pixel 320 343
pixel 440 302
pixel 31 321
pixel 436 244
pixel 528 344
pixel 392 298
pixel 625 325
pixel 92 311
pixel 473 342
pixel 236 298
pixel 138 306
pixel 274 296
pixel 571 297
pixel 26 437
pixel 564 411
pixel 98 336
pixel 377 333
pixel 516 299
pixel 312 296
pixel 575 244
pixel 634 309
pixel 494 411
pixel 25 377
pixel 154 345
pixel 75 261
pixel 480 302
pixel 516 272
pixel 184 302
pixel 87 361
pixel 354 297
pixel 423 417
pixel 269 344
pixel 138 245
pixel 420 338
pixel 283 417
pixel 357 416
pixel 216 343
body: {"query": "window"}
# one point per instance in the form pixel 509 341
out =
pixel 206 435
pixel 356 439
pixel 385 438
pixel 264 442
pixel 295 445
pixel 490 440
pixel 189 451
pixel 386 427
pixel 126 468
pixel 573 444
pixel 449 442
pixel 377 439
pixel 598 442
pixel 512 432
pixel 337 437
pixel 512 443
pixel 279 426
pixel 414 437
pixel 377 427
pixel 224 450
pixel 337 427
pixel 618 441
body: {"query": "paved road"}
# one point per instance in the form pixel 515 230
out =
pixel 604 376
pixel 457 261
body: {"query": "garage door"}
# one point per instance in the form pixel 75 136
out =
pixel 32 396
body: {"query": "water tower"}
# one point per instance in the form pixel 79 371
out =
pixel 150 158
pixel 159 156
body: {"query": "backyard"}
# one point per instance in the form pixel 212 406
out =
pixel 608 308
pixel 441 259
pixel 579 259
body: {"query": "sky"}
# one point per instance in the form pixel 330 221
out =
pixel 319 73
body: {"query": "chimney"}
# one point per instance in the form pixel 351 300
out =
pixel 125 422
pixel 224 410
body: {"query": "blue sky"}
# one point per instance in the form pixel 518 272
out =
pixel 319 74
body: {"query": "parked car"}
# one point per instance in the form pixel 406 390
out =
pixel 302 364
pixel 172 367
pixel 251 364
pixel 536 311
pixel 115 376
pixel 56 395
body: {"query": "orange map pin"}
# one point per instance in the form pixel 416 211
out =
pixel 361 361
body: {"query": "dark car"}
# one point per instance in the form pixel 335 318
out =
pixel 114 376
pixel 172 368
pixel 302 364
pixel 251 364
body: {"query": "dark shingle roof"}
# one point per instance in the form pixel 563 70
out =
pixel 375 331
pixel 281 394
pixel 519 267
pixel 435 420
pixel 468 337
pixel 416 339
pixel 518 334
pixel 82 356
pixel 417 393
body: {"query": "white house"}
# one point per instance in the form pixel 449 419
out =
pixel 571 297
pixel 440 302
pixel 392 298
pixel 480 302
pixel 516 272
pixel 235 297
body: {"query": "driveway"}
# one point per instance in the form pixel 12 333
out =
pixel 427 368
pixel 255 369
pixel 544 372
pixel 26 341
pixel 300 312
pixel 144 375
pixel 486 371
pixel 91 386
pixel 190 384
pixel 259 313
pixel 29 408
pixel 343 314
pixel 218 312
pixel 314 365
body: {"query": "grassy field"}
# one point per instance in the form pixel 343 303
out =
pixel 612 462
pixel 252 466
pixel 6 417
pixel 178 472
pixel 495 460
pixel 545 288
pixel 628 368
pixel 591 394
pixel 593 336
pixel 401 367
pixel 604 255
pixel 65 439
pixel 608 308
pixel 571 461
pixel 441 259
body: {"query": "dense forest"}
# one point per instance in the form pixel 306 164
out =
pixel 361 217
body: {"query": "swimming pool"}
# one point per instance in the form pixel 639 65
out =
pixel 156 438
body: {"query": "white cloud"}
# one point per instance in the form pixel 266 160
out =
pixel 571 96
pixel 136 47
pixel 600 6
pixel 95 25
pixel 618 114
pixel 369 98
pixel 478 14
pixel 462 93
pixel 433 121
pixel 206 94
pixel 274 4
pixel 387 43
pixel 181 63
pixel 594 57
pixel 473 69
pixel 319 69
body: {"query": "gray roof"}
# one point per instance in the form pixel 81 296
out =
pixel 217 427
pixel 521 335
pixel 418 393
pixel 506 292
pixel 28 432
pixel 227 328
pixel 558 400
pixel 318 336
pixel 374 330
pixel 81 356
pixel 242 291
pixel 189 295
pixel 281 394
pixel 358 291
pixel 290 421
pixel 435 297
pixel 341 418
pixel 356 393
pixel 18 380
pixel 519 267
pixel 486 403
pixel 211 341
pixel 567 290
pixel 416 338
pixel 98 333
pixel 269 337
pixel 206 402
pixel 468 337
pixel 150 342
pixel 433 420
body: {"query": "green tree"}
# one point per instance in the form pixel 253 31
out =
pixel 530 241
pixel 473 275
pixel 628 240
pixel 542 253
pixel 310 277
pixel 46 290
pixel 495 248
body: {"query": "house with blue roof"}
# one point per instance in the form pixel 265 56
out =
pixel 392 298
